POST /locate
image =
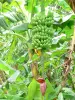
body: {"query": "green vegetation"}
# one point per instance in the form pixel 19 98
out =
pixel 37 50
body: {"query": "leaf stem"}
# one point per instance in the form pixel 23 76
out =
pixel 43 6
pixel 32 10
pixel 42 64
pixel 42 97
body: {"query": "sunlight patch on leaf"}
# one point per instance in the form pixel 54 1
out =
pixel 14 77
pixel 55 40
pixel 60 96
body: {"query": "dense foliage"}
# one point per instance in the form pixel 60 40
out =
pixel 37 50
